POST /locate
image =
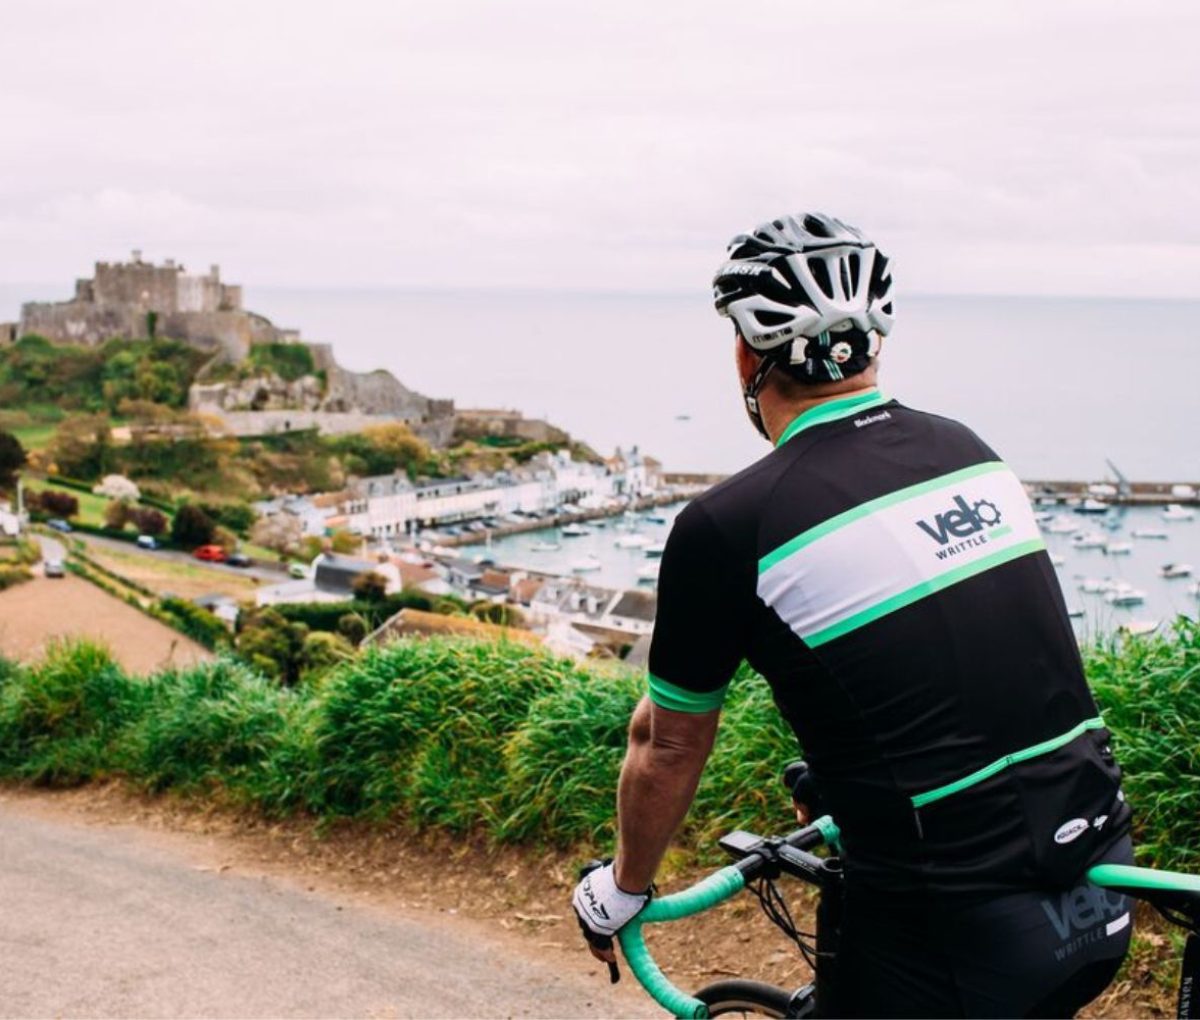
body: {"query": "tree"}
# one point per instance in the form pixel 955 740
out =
pixel 192 527
pixel 281 532
pixel 117 514
pixel 148 521
pixel 273 645
pixel 352 627
pixel 344 542
pixel 370 586
pixel 82 446
pixel 12 459
pixel 321 651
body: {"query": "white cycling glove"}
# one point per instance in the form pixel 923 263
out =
pixel 602 907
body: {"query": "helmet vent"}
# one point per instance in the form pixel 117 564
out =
pixel 814 226
pixel 855 271
pixel 820 273
pixel 766 318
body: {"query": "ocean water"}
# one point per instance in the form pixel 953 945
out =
pixel 1055 385
pixel 1141 568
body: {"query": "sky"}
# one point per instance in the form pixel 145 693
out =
pixel 1024 147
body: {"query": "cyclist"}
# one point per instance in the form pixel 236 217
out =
pixel 882 569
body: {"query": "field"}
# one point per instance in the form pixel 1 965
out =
pixel 36 614
pixel 160 574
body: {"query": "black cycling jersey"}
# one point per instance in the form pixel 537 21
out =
pixel 883 570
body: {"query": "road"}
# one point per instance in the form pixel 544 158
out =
pixel 269 573
pixel 109 922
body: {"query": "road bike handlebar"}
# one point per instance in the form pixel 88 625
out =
pixel 762 856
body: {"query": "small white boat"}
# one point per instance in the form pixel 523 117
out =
pixel 1057 560
pixel 545 547
pixel 1139 627
pixel 1095 585
pixel 585 565
pixel 1194 590
pixel 574 531
pixel 1170 570
pixel 1119 548
pixel 1175 512
pixel 1091 506
pixel 632 541
pixel 656 550
pixel 1089 540
pixel 1148 533
pixel 1062 526
pixel 648 573
pixel 1075 612
pixel 1125 595
pixel 656 519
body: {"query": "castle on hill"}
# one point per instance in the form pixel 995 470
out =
pixel 139 300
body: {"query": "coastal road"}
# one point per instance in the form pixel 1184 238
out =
pixel 100 922
pixel 269 573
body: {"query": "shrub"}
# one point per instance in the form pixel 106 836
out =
pixel 11 576
pixel 196 622
pixel 116 515
pixel 147 520
pixel 54 503
pixel 192 527
pixel 12 459
pixel 352 627
pixel 370 586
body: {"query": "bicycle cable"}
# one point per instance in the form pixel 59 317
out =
pixel 775 907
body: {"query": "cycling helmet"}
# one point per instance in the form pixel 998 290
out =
pixel 808 292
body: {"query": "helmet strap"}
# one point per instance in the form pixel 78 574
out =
pixel 750 394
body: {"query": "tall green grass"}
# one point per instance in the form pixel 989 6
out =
pixel 503 740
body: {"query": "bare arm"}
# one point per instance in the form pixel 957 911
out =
pixel 666 755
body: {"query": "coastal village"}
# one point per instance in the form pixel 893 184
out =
pixel 427 538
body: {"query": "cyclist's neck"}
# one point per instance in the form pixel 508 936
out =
pixel 779 411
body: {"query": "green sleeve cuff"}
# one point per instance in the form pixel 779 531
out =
pixel 678 699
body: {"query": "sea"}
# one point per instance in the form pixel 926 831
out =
pixel 1060 387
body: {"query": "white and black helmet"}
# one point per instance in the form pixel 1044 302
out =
pixel 810 294
pixel 807 277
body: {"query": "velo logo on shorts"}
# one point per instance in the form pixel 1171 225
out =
pixel 963 521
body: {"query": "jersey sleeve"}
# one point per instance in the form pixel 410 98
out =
pixel 700 625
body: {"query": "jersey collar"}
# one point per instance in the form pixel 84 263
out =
pixel 832 410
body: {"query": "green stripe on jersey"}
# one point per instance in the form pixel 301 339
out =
pixel 678 699
pixel 873 506
pixel 920 591
pixel 1000 764
pixel 829 411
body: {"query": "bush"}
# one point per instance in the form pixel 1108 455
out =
pixel 11 576
pixel 370 586
pixel 196 622
pixel 54 503
pixel 148 521
pixel 352 627
pixel 116 515
pixel 192 527
pixel 12 459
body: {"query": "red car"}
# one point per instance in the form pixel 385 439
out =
pixel 212 553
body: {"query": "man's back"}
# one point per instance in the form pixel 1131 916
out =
pixel 883 570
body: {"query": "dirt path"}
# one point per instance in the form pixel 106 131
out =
pixel 513 898
pixel 109 920
pixel 41 611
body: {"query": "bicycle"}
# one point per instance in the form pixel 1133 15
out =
pixel 760 860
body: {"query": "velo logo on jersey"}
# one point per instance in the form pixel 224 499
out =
pixel 962 521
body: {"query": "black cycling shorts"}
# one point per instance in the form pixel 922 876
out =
pixel 1032 953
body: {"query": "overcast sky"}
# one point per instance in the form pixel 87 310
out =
pixel 1041 147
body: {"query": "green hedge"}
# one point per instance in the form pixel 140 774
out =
pixel 504 740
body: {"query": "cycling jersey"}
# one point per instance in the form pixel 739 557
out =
pixel 882 569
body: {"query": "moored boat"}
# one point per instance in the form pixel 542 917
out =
pixel 632 541
pixel 1172 570
pixel 574 531
pixel 545 547
pixel 1139 627
pixel 648 573
pixel 1119 548
pixel 1125 595
pixel 656 550
pixel 1155 533
pixel 1089 540
pixel 586 565
pixel 1176 512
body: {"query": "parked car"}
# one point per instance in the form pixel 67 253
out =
pixel 238 559
pixel 147 542
pixel 58 524
pixel 212 553
pixel 298 571
pixel 54 568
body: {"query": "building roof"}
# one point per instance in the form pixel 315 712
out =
pixel 416 622
pixel 337 573
pixel 525 589
pixel 636 605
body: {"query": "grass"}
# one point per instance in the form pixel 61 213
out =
pixel 504 740
pixel 160 574
pixel 91 506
